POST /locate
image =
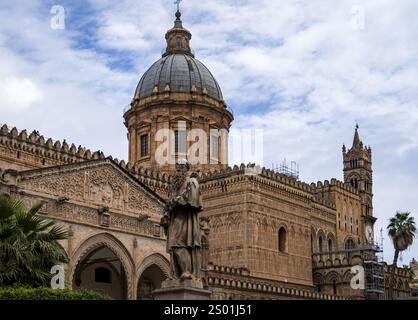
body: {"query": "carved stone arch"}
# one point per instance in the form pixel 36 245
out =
pixel 353 175
pixel 283 237
pixel 112 243
pixel 347 276
pixel 320 232
pixel 150 275
pixel 331 236
pixel 155 259
pixel 347 241
pixel 344 261
pixel 321 245
pixel 331 239
pixel 318 278
pixel 285 226
pixel 333 276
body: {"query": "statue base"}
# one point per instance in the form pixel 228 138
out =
pixel 182 290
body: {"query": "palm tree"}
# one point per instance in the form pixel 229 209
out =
pixel 401 230
pixel 28 244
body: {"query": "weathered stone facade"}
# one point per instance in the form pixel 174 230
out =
pixel 266 235
pixel 414 281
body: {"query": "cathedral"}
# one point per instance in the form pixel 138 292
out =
pixel 265 235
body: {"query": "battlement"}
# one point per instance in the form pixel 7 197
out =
pixel 323 186
pixel 34 150
pixel 253 169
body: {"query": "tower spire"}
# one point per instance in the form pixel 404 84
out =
pixel 356 140
pixel 178 38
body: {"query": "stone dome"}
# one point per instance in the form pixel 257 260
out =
pixel 183 73
pixel 178 70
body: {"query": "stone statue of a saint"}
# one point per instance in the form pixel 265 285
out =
pixel 182 224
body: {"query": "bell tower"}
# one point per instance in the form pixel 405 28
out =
pixel 359 174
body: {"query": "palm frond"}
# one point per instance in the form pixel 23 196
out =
pixel 36 208
pixel 28 244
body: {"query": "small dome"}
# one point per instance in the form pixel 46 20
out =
pixel 183 73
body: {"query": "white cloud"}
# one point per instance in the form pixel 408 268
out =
pixel 21 94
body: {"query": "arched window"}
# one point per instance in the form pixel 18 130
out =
pixel 329 245
pixel 311 242
pixel 349 244
pixel 282 239
pixel 320 243
pixel 102 275
pixel 354 183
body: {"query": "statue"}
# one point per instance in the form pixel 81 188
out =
pixel 181 224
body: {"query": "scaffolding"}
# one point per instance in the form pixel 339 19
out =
pixel 374 271
pixel 375 278
pixel 372 261
pixel 291 171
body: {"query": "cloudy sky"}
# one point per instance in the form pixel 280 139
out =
pixel 303 71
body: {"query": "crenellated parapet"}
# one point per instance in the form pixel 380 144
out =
pixel 254 170
pixel 327 185
pixel 233 176
pixel 21 150
pixel 276 181
pixel 323 192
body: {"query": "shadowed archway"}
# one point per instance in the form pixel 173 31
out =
pixel 152 272
pixel 102 263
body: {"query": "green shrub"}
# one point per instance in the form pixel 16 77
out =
pixel 43 293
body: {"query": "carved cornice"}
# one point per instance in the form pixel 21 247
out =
pixel 241 280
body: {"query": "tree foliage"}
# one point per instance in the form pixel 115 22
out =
pixel 43 293
pixel 28 244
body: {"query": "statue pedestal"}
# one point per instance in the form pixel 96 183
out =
pixel 182 290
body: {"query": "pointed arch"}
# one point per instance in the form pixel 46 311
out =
pixel 110 242
pixel 155 259
pixel 321 241
pixel 150 275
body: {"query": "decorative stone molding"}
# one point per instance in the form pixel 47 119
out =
pixel 109 241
